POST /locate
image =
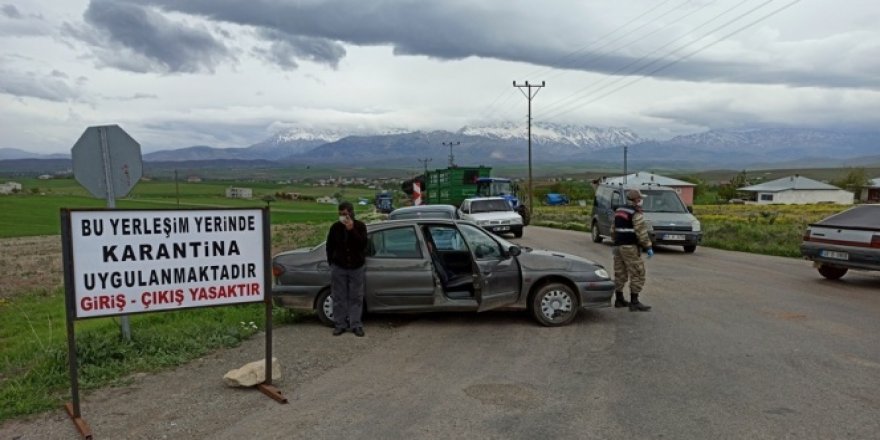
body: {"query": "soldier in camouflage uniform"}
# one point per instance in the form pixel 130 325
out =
pixel 630 237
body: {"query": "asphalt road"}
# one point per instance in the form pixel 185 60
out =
pixel 736 346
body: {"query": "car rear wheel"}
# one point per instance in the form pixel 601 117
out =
pixel 832 272
pixel 594 231
pixel 324 307
pixel 689 249
pixel 554 304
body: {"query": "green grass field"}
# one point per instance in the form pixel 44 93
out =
pixel 35 211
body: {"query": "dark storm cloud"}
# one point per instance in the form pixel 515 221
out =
pixel 285 49
pixel 460 29
pixel 10 11
pixel 118 29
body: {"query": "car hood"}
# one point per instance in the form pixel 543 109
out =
pixel 661 219
pixel 540 260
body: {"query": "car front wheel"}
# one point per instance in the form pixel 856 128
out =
pixel 594 231
pixel 554 304
pixel 689 249
pixel 831 272
pixel 324 307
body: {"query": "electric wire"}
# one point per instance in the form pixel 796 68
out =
pixel 561 109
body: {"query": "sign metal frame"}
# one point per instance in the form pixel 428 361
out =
pixel 73 408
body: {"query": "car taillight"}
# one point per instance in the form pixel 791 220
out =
pixel 875 241
pixel 807 234
pixel 277 269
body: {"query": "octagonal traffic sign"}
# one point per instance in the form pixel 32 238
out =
pixel 107 161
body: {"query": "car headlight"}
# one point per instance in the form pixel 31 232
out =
pixel 601 273
pixel 483 222
pixel 695 226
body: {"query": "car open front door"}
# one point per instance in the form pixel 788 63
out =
pixel 498 280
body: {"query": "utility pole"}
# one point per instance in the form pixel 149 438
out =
pixel 424 162
pixel 624 164
pixel 529 95
pixel 451 157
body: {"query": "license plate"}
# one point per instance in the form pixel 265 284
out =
pixel 835 255
pixel 673 237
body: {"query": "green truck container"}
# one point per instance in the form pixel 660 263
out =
pixel 451 186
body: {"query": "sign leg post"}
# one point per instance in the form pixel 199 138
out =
pixel 266 387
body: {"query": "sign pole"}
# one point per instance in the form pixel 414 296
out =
pixel 73 409
pixel 111 204
pixel 266 387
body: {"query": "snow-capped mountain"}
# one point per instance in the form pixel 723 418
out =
pixel 582 137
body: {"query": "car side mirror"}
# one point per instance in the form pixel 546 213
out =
pixel 690 209
pixel 514 251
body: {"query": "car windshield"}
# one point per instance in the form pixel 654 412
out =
pixel 662 201
pixel 478 206
pixel 495 188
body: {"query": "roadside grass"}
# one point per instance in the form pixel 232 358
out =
pixel 34 374
pixel 761 229
pixel 34 370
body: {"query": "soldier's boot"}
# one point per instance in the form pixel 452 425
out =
pixel 619 300
pixel 635 305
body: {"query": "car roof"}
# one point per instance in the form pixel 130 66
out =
pixel 418 222
pixel 425 208
pixel 484 198
pixel 638 187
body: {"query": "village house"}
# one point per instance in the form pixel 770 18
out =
pixel 871 192
pixel 796 190
pixel 684 189
pixel 10 188
pixel 239 193
pixel 328 200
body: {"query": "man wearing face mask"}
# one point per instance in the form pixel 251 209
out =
pixel 346 253
pixel 630 234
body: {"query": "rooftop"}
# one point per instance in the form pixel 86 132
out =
pixel 789 183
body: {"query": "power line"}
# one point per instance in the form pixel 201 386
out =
pixel 573 99
pixel 581 49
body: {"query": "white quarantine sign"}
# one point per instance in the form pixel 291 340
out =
pixel 127 261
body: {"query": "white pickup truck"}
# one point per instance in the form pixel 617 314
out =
pixel 847 240
pixel 493 214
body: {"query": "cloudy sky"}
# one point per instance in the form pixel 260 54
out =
pixel 229 73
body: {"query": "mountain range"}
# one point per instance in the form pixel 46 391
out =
pixel 551 143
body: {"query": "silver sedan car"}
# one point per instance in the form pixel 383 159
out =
pixel 428 265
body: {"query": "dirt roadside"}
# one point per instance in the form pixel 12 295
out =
pixel 191 401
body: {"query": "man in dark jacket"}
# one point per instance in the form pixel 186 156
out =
pixel 346 253
pixel 631 237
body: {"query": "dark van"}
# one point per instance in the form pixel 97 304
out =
pixel 670 221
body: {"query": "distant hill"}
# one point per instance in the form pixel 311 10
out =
pixel 507 145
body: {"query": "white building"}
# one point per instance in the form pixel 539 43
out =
pixel 239 193
pixel 10 188
pixel 328 200
pixel 797 190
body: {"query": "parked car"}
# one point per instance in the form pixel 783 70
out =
pixel 424 211
pixel 670 221
pixel 493 214
pixel 431 265
pixel 844 241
